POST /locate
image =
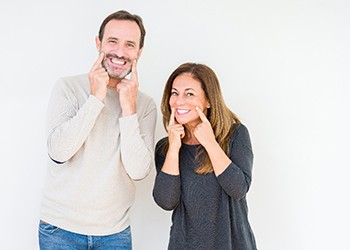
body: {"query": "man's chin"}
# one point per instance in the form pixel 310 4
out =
pixel 115 73
pixel 118 76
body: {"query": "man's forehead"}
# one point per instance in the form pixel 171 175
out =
pixel 125 26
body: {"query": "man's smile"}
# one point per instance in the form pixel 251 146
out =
pixel 117 61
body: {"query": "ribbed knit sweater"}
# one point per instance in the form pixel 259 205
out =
pixel 94 154
pixel 209 212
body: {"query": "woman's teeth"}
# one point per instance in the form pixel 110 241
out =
pixel 182 111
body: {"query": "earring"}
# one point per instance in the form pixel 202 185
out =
pixel 208 106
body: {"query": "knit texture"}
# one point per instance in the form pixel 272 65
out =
pixel 94 156
pixel 209 212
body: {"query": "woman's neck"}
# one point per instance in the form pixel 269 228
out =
pixel 190 138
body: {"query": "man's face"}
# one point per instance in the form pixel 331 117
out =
pixel 121 46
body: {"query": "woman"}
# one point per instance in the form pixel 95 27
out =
pixel 204 166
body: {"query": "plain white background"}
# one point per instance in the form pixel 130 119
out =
pixel 283 67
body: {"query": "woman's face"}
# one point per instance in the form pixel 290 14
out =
pixel 186 95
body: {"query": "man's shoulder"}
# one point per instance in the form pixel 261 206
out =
pixel 73 83
pixel 74 79
pixel 144 98
pixel 143 95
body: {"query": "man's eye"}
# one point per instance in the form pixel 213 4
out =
pixel 130 45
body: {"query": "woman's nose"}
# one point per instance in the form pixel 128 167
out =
pixel 179 100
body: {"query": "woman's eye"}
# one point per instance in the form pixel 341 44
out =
pixel 173 93
pixel 189 94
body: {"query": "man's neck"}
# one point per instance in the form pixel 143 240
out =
pixel 113 82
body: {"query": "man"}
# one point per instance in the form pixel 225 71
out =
pixel 100 139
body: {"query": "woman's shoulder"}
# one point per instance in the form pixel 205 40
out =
pixel 161 144
pixel 240 128
pixel 239 131
pixel 162 141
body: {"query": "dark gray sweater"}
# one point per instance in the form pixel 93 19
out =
pixel 209 212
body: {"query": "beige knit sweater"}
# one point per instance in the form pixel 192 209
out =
pixel 94 156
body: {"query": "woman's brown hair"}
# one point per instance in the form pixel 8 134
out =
pixel 221 118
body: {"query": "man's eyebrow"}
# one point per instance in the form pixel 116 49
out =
pixel 112 38
pixel 133 42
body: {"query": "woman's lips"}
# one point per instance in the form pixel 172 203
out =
pixel 182 111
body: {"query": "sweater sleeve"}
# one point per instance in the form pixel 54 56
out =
pixel 137 142
pixel 68 125
pixel 236 179
pixel 167 188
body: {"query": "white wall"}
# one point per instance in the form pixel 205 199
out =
pixel 284 69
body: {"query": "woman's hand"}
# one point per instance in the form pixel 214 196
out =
pixel 175 132
pixel 204 132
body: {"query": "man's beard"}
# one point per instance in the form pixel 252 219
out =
pixel 110 69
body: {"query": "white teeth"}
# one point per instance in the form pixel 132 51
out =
pixel 183 111
pixel 115 61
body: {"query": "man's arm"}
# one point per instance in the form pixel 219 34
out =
pixel 137 142
pixel 68 125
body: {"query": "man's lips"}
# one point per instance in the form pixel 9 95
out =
pixel 117 62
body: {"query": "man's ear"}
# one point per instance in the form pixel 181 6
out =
pixel 139 53
pixel 98 43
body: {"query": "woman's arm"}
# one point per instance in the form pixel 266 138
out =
pixel 167 185
pixel 233 170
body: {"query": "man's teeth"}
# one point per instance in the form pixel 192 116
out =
pixel 116 61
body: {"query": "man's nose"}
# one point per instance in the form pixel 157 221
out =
pixel 119 50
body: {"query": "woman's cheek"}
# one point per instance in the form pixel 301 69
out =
pixel 171 103
pixel 199 105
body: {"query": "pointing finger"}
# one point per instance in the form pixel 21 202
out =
pixel 172 117
pixel 202 115
pixel 98 61
pixel 134 71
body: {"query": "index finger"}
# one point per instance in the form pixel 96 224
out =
pixel 172 117
pixel 134 71
pixel 202 115
pixel 98 61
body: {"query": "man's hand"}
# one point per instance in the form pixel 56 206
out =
pixel 127 90
pixel 99 79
